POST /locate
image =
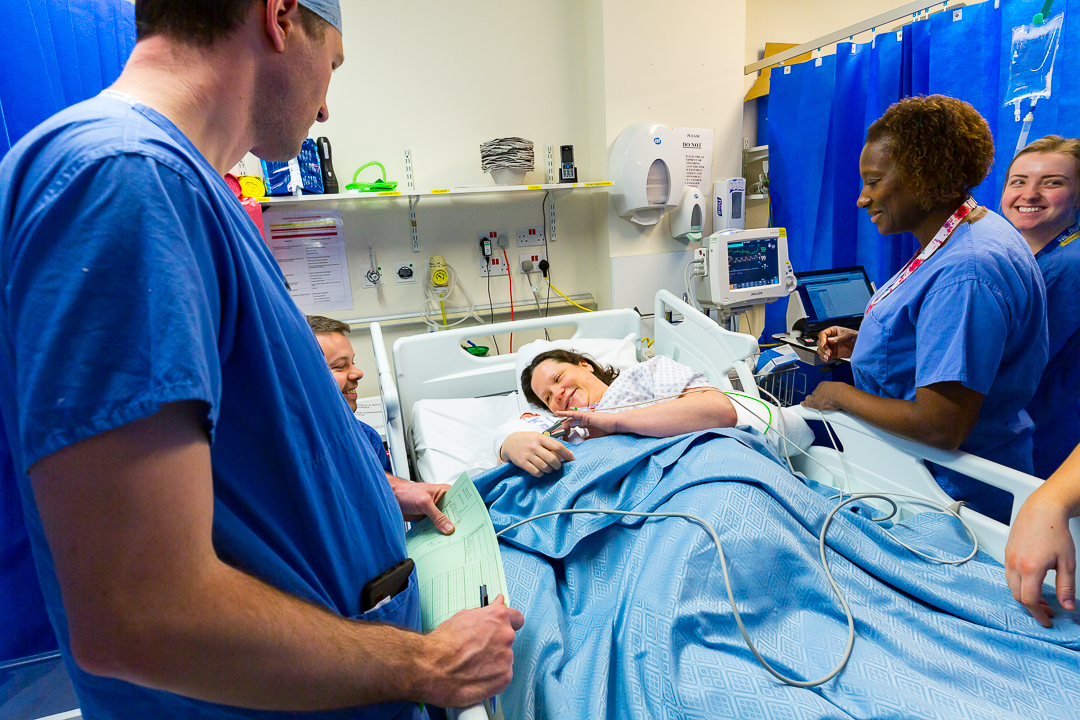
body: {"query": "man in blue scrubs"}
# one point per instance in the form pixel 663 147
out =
pixel 203 517
pixel 341 359
pixel 415 499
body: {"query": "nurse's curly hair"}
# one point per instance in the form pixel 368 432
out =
pixel 942 147
pixel 604 373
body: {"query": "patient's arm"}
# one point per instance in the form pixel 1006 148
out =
pixel 1039 541
pixel 698 410
pixel 534 452
pixel 942 415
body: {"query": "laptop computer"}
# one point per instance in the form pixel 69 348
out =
pixel 833 297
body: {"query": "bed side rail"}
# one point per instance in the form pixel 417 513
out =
pixel 433 365
pixel 395 429
pixel 699 342
pixel 899 463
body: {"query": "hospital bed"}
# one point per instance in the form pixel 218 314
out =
pixel 629 618
pixel 434 366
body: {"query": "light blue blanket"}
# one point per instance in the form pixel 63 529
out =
pixel 628 618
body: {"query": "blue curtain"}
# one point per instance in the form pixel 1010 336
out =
pixel 819 112
pixel 58 53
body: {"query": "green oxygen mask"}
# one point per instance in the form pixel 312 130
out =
pixel 377 186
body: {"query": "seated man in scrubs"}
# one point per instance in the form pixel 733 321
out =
pixel 951 349
pixel 340 356
pixel 204 517
pixel 417 500
pixel 1040 541
pixel 1041 198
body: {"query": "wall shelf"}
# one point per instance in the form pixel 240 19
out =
pixel 453 191
pixel 758 152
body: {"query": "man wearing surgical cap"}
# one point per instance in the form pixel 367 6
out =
pixel 206 522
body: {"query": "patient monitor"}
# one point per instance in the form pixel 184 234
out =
pixel 736 269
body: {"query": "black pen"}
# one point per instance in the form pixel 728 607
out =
pixel 484 603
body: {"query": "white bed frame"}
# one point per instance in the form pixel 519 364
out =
pixel 435 366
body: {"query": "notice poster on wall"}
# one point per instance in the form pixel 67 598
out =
pixel 309 245
pixel 697 147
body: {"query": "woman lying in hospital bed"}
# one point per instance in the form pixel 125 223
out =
pixel 657 398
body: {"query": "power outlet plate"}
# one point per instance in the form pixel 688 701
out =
pixel 500 239
pixel 535 256
pixel 494 268
pixel 364 282
pixel 531 235
pixel 404 273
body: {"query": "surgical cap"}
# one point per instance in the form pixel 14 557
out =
pixel 328 10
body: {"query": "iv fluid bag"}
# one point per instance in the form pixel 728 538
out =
pixel 1031 64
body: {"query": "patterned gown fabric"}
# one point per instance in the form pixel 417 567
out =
pixel 628 618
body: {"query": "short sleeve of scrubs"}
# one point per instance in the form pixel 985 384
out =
pixel 960 334
pixel 134 327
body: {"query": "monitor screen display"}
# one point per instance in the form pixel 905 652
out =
pixel 753 263
pixel 835 295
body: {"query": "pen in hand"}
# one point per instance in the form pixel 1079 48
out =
pixel 484 603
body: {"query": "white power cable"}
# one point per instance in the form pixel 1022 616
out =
pixel 727 585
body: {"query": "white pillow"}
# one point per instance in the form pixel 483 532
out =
pixel 620 354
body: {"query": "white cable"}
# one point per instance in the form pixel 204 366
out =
pixel 727 585
pixel 821 552
pixel 434 296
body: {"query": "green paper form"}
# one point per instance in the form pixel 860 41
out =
pixel 451 568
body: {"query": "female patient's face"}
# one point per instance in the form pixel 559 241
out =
pixel 562 386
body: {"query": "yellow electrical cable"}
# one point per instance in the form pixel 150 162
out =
pixel 567 299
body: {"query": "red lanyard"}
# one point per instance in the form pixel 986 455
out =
pixel 939 239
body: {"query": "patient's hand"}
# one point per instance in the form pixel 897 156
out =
pixel 1039 541
pixel 534 453
pixel 599 424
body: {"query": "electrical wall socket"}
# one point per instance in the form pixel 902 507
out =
pixel 364 270
pixel 404 273
pixel 535 256
pixel 532 235
pixel 499 239
pixel 494 268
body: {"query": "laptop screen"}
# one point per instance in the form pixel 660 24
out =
pixel 830 295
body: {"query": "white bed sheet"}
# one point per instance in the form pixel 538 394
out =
pixel 455 436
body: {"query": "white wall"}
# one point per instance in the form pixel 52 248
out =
pixel 443 77
pixel 681 67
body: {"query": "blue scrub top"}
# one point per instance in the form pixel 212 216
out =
pixel 974 313
pixel 1055 407
pixel 131 277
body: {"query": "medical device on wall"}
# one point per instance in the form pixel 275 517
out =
pixel 729 204
pixel 439 286
pixel 735 269
pixel 648 171
pixel 687 220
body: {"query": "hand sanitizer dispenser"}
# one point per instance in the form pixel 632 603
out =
pixel 648 171
pixel 687 220
pixel 729 204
